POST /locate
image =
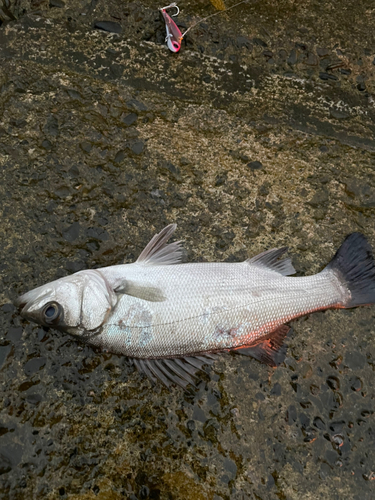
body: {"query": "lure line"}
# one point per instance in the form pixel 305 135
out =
pixel 173 33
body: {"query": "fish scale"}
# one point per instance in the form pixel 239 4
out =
pixel 172 318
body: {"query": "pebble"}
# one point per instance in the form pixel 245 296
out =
pixel 86 146
pixel 355 360
pixel 259 41
pixel 138 147
pixel 337 426
pixel 276 390
pixel 337 440
pixel 130 119
pixel 327 76
pixel 333 383
pixel 190 424
pixel 338 114
pixel 319 198
pixel 46 144
pixel 325 471
pixel 356 384
pixel 120 156
pixel 110 26
pixel 292 59
pixel 255 165
pixel 319 424
pixel 34 365
pixel 230 468
pixel 242 41
pixel 291 415
pixel 198 414
pixel 5 464
pixel 72 233
pixel 14 334
pixel 322 52
pixel 57 3
pixel 33 399
pixel 4 351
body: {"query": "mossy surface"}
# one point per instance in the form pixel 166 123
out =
pixel 259 133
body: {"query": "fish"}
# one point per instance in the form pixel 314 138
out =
pixel 173 318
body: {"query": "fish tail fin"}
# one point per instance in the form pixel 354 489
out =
pixel 354 265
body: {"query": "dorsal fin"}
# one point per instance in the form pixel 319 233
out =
pixel 158 252
pixel 270 259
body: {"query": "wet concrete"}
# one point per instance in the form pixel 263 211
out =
pixel 259 133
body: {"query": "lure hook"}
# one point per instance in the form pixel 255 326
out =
pixel 171 6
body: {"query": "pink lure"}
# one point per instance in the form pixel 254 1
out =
pixel 174 35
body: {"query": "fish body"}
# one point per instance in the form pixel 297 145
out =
pixel 207 307
pixel 171 317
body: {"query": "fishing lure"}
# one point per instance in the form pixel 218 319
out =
pixel 174 36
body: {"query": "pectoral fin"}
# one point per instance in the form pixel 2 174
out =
pixel 269 349
pixel 141 291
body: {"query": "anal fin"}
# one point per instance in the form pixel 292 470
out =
pixel 180 371
pixel 269 349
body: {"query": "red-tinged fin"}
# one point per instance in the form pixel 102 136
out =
pixel 354 266
pixel 269 349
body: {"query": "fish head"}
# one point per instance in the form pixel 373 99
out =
pixel 78 304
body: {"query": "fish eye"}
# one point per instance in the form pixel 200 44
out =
pixel 52 313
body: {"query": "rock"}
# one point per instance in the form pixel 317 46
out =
pixel 34 365
pixel 255 165
pixel 260 42
pixel 57 3
pixel 327 76
pixel 362 192
pixel 322 52
pixel 5 464
pixel 72 233
pixel 4 351
pixel 319 198
pixel 130 119
pixel 137 147
pixel 14 334
pixel 52 126
pixel 86 146
pixel 337 114
pixel 292 59
pixel 109 26
pixel 120 156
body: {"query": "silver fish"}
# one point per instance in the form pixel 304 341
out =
pixel 171 318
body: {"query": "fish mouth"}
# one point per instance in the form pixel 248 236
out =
pixel 19 302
